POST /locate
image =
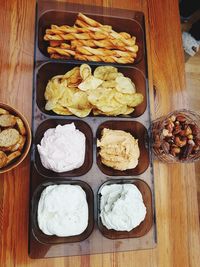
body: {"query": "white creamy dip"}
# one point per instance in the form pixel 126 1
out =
pixel 63 210
pixel 122 207
pixel 62 148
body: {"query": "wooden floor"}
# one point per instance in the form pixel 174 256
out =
pixel 192 68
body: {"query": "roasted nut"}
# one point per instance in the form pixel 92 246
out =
pixel 181 118
pixel 169 139
pixel 187 151
pixel 180 137
pixel 173 118
pixel 180 142
pixel 188 131
pixel 190 136
pixel 191 142
pixel 170 127
pixel 177 129
pixel 166 132
pixel 175 150
pixel 182 133
pixel 177 123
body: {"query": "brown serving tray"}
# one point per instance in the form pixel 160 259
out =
pixel 92 175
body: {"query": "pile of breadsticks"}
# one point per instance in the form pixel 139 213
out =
pixel 89 40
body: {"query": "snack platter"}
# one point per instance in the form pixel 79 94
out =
pixel 92 174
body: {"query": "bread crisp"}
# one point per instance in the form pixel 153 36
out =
pixel 21 127
pixel 9 137
pixel 20 144
pixel 3 111
pixel 7 120
pixel 3 159
pixel 13 156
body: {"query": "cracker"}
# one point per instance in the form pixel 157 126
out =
pixel 9 137
pixel 3 159
pixel 13 156
pixel 3 111
pixel 20 144
pixel 7 120
pixel 21 126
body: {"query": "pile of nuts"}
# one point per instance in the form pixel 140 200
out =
pixel 180 138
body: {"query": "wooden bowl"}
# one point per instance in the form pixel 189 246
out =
pixel 27 144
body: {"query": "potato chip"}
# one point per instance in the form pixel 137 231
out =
pixel 124 99
pixel 80 105
pixel 70 73
pixel 51 104
pixel 96 112
pixel 125 85
pixel 80 101
pixel 119 74
pixel 105 73
pixel 80 112
pixel 58 78
pixel 78 92
pixel 121 110
pixel 85 71
pixel 67 96
pixel 108 109
pixel 103 99
pixel 100 94
pixel 61 110
pixel 91 83
pixel 116 112
pixel 75 79
pixel 109 84
pixel 54 90
pixel 129 110
pixel 138 99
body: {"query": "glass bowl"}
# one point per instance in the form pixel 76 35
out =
pixel 176 137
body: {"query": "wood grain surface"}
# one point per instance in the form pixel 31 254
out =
pixel 175 186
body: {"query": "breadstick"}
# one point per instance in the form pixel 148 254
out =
pixel 55 43
pixel 123 36
pixel 103 52
pixel 57 56
pixel 74 36
pixel 65 46
pixel 76 43
pixel 89 21
pixel 119 53
pixel 87 58
pixel 81 23
pixel 90 40
pixel 49 37
pixel 106 43
pixel 71 29
pixel 63 52
pixel 110 59
pixel 86 50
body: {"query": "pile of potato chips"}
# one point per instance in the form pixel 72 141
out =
pixel 78 92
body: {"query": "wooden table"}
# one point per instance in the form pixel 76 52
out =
pixel 175 187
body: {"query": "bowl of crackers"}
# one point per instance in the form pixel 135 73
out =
pixel 15 138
